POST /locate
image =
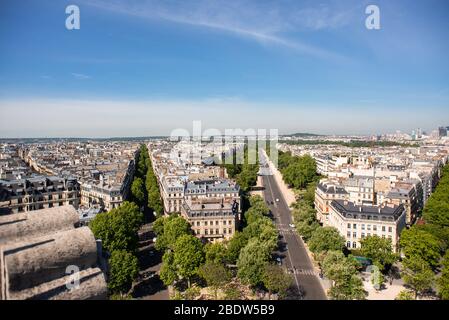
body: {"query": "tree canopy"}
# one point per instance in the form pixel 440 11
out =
pixel 188 256
pixel 297 172
pixel 326 239
pixel 251 263
pixel 173 227
pixel 123 270
pixel 118 227
pixel 379 250
pixel 343 272
pixel 276 279
pixel 417 243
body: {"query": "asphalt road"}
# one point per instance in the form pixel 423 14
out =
pixel 295 256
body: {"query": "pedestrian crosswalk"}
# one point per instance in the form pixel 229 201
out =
pixel 302 272
pixel 285 231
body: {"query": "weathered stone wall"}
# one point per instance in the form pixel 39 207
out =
pixel 20 226
pixel 42 259
pixel 92 286
pixel 37 247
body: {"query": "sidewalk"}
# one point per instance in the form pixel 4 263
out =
pixel 287 192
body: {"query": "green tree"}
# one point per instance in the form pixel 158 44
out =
pixel 216 253
pixel 138 191
pixel 417 243
pixel 251 263
pixel 417 274
pixel 306 229
pixel 379 250
pixel 235 245
pixel 174 227
pixel 276 280
pixel 343 273
pixel 158 225
pixel 168 272
pixel 188 256
pixel 326 239
pixel 215 275
pixel 350 289
pixel 443 280
pixel 265 231
pixel 118 228
pixel 405 295
pixel 124 269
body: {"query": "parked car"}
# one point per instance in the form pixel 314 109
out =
pixel 277 199
pixel 291 225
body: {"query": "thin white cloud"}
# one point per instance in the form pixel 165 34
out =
pixel 80 76
pixel 264 23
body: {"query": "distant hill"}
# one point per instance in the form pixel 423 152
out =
pixel 303 134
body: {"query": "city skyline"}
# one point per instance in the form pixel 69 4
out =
pixel 146 68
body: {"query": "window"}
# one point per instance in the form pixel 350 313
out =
pixel 348 234
pixel 217 231
pixel 363 235
pixel 354 234
pixel 368 227
pixel 374 228
pixel 363 227
pixel 390 229
pixel 348 244
pixel 354 226
pixel 383 228
pixel 354 244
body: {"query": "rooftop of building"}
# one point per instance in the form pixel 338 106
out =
pixel 366 211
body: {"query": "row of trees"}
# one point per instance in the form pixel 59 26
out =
pixel 240 168
pixel 425 245
pixel 145 188
pixel 297 172
pixel 186 259
pixel 118 228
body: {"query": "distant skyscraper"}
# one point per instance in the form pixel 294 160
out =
pixel 442 131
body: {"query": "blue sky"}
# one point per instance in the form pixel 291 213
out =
pixel 148 67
